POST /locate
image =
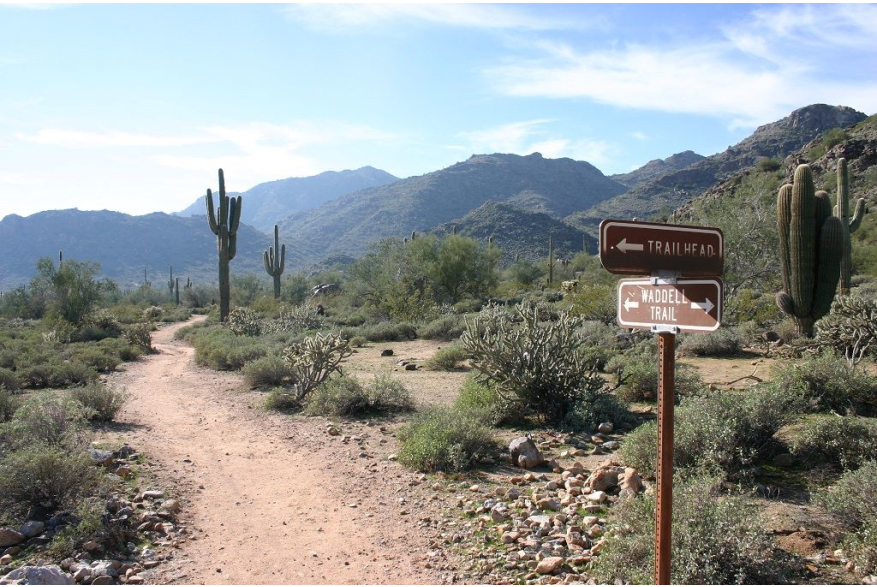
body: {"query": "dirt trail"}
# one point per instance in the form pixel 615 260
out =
pixel 268 499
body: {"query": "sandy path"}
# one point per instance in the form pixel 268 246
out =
pixel 268 498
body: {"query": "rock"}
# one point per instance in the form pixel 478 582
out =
pixel 611 445
pixel 32 528
pixel 135 580
pixel 605 477
pixel 123 471
pixel 770 336
pixel 548 504
pixel 784 460
pixel 5 559
pixel 171 505
pixel 605 428
pixel 549 565
pixel 45 575
pixel 125 451
pixel 105 567
pixel 103 580
pixel 387 353
pixel 630 483
pixel 596 496
pixel 101 457
pixel 153 494
pixel 81 572
pixel 91 546
pixel 524 453
pixel 411 367
pixel 10 537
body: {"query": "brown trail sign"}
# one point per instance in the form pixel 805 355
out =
pixel 667 302
pixel 688 305
pixel 642 248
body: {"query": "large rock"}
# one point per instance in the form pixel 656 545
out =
pixel 549 565
pixel 524 453
pixel 32 528
pixel 630 483
pixel 10 537
pixel 605 478
pixel 47 575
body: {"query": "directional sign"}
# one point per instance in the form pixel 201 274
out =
pixel 642 248
pixel 689 304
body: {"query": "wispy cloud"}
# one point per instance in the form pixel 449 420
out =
pixel 753 74
pixel 76 139
pixel 347 17
pixel 531 136
pixel 34 5
pixel 639 135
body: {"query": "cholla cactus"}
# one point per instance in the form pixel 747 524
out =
pixel 314 359
pixel 850 328
pixel 848 224
pixel 297 319
pixel 140 336
pixel 244 322
pixel 811 246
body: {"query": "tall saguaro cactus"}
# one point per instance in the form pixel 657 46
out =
pixel 274 259
pixel 550 261
pixel 848 224
pixel 170 281
pixel 811 246
pixel 225 227
pixel 177 291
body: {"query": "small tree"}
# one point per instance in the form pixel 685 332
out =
pixel 462 267
pixel 73 290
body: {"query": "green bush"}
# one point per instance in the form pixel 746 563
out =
pixel 101 402
pixel 446 359
pixel 717 540
pixel 637 374
pixel 47 420
pixel 723 432
pixel 534 364
pixel 481 400
pixel 595 302
pixel 100 360
pixel 268 371
pixel 443 439
pixel 387 332
pixel 724 342
pixel 853 500
pixel 41 476
pixel 448 327
pixel 140 336
pixel 586 416
pixel 9 403
pixel 346 396
pixel 56 374
pixel 836 440
pixel 831 384
pixel 282 399
pixel 8 379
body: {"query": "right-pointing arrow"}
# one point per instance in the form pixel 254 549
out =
pixel 628 304
pixel 706 306
pixel 625 246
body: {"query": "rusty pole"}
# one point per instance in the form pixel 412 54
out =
pixel 664 505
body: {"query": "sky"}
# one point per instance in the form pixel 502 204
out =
pixel 134 107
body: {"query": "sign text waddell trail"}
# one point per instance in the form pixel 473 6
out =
pixel 643 248
pixel 688 305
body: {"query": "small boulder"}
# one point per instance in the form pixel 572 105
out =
pixel 605 428
pixel 10 537
pixel 387 353
pixel 411 367
pixel 630 483
pixel 45 575
pixel 100 457
pixel 32 528
pixel 524 453
pixel 549 565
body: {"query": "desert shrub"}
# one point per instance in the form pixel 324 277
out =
pixel 724 342
pixel 586 416
pixel 295 319
pixel 129 352
pixel 152 313
pixel 446 359
pixel 244 322
pixel 447 327
pixel 850 328
pixel 747 305
pixel 56 374
pixel 445 439
pixel 599 343
pixel 140 336
pixel 9 403
pixel 358 341
pixel 47 420
pixel 387 332
pixel 533 364
pixel 853 500
pixel 346 396
pixel 769 164
pixel 830 383
pixel 481 400
pixel 314 359
pixel 281 399
pixel 267 371
pixel 100 360
pixel 724 432
pixel 101 402
pixel 41 476
pixel 837 440
pixel 717 540
pixel 636 372
pixel 8 379
pixel 595 302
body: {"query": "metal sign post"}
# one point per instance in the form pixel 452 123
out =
pixel 668 302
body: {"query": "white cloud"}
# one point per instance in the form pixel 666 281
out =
pixel 75 139
pixel 784 59
pixel 531 136
pixel 639 135
pixel 346 17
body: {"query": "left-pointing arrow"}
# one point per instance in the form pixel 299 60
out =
pixel 628 304
pixel 706 306
pixel 625 246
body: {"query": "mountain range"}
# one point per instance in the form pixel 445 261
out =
pixel 518 200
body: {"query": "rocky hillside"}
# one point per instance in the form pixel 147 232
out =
pixel 519 232
pixel 668 192
pixel 124 245
pixel 555 187
pixel 268 203
pixel 657 168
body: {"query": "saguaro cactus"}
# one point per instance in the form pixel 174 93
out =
pixel 170 281
pixel 60 259
pixel 177 291
pixel 849 225
pixel 226 231
pixel 274 259
pixel 811 246
pixel 550 261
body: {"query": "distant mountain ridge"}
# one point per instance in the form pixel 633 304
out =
pixel 124 245
pixel 555 187
pixel 268 203
pixel 668 192
pixel 657 168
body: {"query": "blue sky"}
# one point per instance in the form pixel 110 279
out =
pixel 134 107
